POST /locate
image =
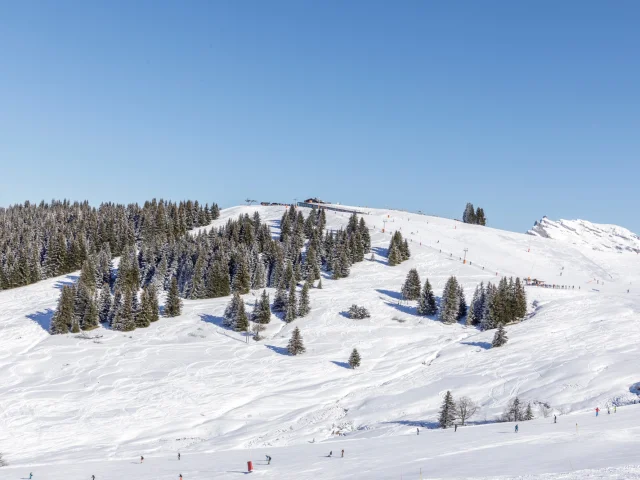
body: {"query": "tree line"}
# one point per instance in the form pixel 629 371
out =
pixel 475 217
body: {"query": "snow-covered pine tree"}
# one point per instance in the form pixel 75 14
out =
pixel 124 319
pixel 500 338
pixel 354 359
pixel 241 282
pixel 263 313
pixel 528 414
pixel 290 313
pixel 411 287
pixel 462 311
pixel 241 323
pixel 296 345
pixel 450 305
pixel 281 299
pixel 104 303
pixel 404 250
pixel 62 318
pixel 198 289
pixel 474 316
pixel 487 322
pixel 447 415
pixel 173 304
pixel 427 303
pixel 365 235
pixel 231 312
pixel 91 319
pixel 520 309
pixel 303 302
pixel 259 277
pixel 394 257
pixel 152 299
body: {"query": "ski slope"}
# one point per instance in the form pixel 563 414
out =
pixel 187 384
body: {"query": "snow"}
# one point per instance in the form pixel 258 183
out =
pixel 74 405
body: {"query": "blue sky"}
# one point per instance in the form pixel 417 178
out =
pixel 524 108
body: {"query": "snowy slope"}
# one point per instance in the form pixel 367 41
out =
pixel 188 384
pixel 592 235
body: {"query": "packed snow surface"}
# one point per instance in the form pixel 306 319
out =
pixel 76 405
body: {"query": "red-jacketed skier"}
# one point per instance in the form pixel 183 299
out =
pixel 597 411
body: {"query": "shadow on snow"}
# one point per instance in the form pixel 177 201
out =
pixel 341 364
pixel 68 281
pixel 280 350
pixel 485 345
pixel 42 318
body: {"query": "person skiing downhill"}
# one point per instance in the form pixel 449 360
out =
pixel 455 427
pixel 516 428
pixel 417 431
pixel 30 476
pixel 342 453
pixel 93 477
pixel 331 453
pixel 555 419
pixel 268 459
pixel 180 477
pixel 615 408
pixel 597 411
pixel 178 455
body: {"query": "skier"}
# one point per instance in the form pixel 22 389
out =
pixel 555 419
pixel 178 455
pixel 141 459
pixel 516 428
pixel 615 408
pixel 93 477
pixel 597 411
pixel 331 453
pixel 342 454
pixel 455 427
pixel 268 459
pixel 180 477
pixel 608 410
pixel 417 431
pixel 30 476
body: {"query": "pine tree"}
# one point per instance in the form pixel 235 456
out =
pixel 474 316
pixel 462 311
pixel 520 309
pixel 173 304
pixel 242 278
pixel 281 300
pixel 500 338
pixel 292 305
pixel 263 313
pixel 528 414
pixel 469 215
pixel 231 312
pixel 427 303
pixel 354 359
pixel 241 320
pixel 447 411
pixel 411 287
pixel 450 301
pixel 404 250
pixel 394 257
pixel 154 307
pixel 124 320
pixel 62 318
pixel 104 304
pixel 303 301
pixel 296 346
pixel 480 218
pixel 91 318
pixel 143 318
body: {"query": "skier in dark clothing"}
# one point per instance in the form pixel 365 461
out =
pixel 268 459
pixel 516 428
pixel 30 476
pixel 331 453
pixel 178 455
pixel 417 431
pixel 342 453
pixel 93 477
pixel 555 419
pixel 455 427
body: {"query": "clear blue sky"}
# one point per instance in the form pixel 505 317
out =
pixel 524 108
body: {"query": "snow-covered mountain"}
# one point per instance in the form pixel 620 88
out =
pixel 593 235
pixel 76 405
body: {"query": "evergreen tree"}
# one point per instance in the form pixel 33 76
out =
pixel 241 320
pixel 91 318
pixel 263 313
pixel 450 301
pixel 281 300
pixel 88 275
pixel 292 305
pixel 520 308
pixel 447 411
pixel 303 301
pixel 354 359
pixel 152 299
pixel 469 215
pixel 173 304
pixel 480 218
pixel 474 316
pixel 62 318
pixel 514 411
pixel 462 311
pixel 231 312
pixel 242 278
pixel 296 346
pixel 427 303
pixel 124 320
pixel 411 287
pixel 500 338
pixel 394 257
pixel 218 280
pixel 528 414
pixel 404 250
pixel 104 304
pixel 75 328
